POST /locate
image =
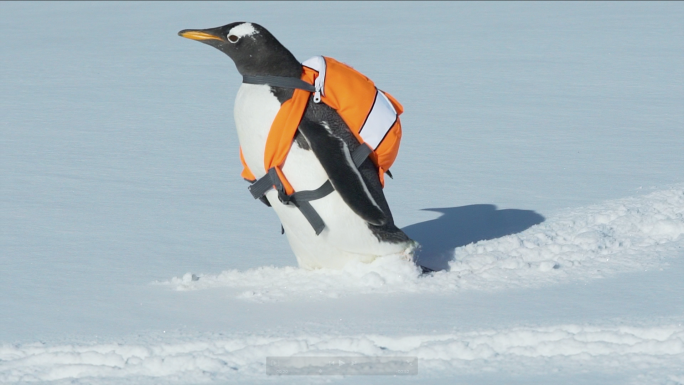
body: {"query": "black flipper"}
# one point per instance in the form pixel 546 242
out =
pixel 336 160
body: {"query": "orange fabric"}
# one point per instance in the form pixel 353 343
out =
pixel 282 133
pixel 347 91
pixel 246 173
pixel 344 84
pixel 283 130
pixel 387 151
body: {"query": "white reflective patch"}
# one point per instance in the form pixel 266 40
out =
pixel 318 63
pixel 379 122
pixel 244 29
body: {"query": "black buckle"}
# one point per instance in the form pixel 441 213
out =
pixel 283 197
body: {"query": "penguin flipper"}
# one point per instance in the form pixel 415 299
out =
pixel 333 154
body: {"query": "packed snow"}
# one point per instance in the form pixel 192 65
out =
pixel 630 234
pixel 574 348
pixel 541 170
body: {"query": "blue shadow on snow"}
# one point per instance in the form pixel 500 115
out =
pixel 460 226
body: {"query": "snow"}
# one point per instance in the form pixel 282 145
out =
pixel 541 162
pixel 516 350
pixel 591 242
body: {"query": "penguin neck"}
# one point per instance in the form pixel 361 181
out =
pixel 279 63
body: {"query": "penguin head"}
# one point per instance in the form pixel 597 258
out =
pixel 253 49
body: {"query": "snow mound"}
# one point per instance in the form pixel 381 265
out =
pixel 572 348
pixel 623 235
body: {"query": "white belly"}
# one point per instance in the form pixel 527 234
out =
pixel 346 236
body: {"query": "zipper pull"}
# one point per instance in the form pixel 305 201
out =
pixel 317 97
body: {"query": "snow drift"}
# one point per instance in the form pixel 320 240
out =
pixel 579 348
pixel 628 234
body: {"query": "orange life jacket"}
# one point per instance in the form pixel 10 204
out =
pixel 371 114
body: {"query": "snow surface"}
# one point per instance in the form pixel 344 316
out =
pixel 584 243
pixel 517 350
pixel 541 163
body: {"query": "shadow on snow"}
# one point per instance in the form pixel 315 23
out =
pixel 459 226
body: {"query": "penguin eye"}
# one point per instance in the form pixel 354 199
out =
pixel 233 38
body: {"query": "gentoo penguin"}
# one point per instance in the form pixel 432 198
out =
pixel 358 221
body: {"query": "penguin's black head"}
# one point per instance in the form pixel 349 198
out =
pixel 253 49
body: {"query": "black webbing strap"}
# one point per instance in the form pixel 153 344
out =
pixel 360 154
pixel 302 199
pixel 263 184
pixel 299 199
pixel 311 195
pixel 279 81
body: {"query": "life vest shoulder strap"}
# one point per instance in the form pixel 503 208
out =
pixel 279 81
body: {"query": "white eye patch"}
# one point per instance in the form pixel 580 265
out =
pixel 242 30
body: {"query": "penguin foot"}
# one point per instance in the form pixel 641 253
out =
pixel 426 270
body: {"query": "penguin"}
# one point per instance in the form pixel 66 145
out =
pixel 358 222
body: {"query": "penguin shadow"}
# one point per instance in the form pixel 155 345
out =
pixel 460 226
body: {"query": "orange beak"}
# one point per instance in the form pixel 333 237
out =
pixel 197 35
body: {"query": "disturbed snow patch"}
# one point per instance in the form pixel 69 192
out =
pixel 274 283
pixel 590 242
pixel 637 351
